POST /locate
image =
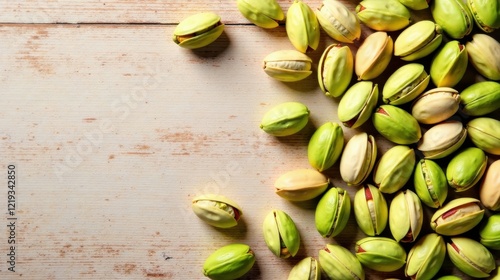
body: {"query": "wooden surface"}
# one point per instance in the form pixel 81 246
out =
pixel 114 129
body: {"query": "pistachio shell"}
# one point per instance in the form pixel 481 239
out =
pixel 325 146
pixel 387 15
pixel 442 139
pixel 471 257
pixel 405 216
pixel 426 257
pixel 457 216
pixel 373 55
pixel 480 98
pixel 453 16
pixel 449 277
pixel 394 169
pixel 415 4
pixel 484 55
pixel 301 184
pixel 486 13
pixel 405 84
pixel 449 65
pixel 302 26
pixel 217 210
pixel 229 262
pixel 418 40
pixel 358 159
pixel 466 168
pixel 490 232
pixel 396 125
pixel 357 104
pixel 335 70
pixel 339 263
pixel 285 119
pixel 332 212
pixel 435 105
pixel 370 210
pixel 263 13
pixel 338 21
pixel 380 253
pixel 489 193
pixel 287 65
pixel 485 134
pixel 198 30
pixel 280 234
pixel 307 269
pixel 430 183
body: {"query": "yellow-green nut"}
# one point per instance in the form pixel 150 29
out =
pixel 325 146
pixel 339 263
pixel 449 277
pixel 287 65
pixel 449 65
pixel 229 262
pixel 457 216
pixel 426 257
pixel 430 183
pixel 480 98
pixel 301 184
pixel 217 210
pixel 436 105
pixel 489 233
pixel 396 125
pixel 415 4
pixel 387 15
pixel 486 14
pixel 394 168
pixel 198 30
pixel 485 134
pixel 332 212
pixel 442 139
pixel 357 104
pixel 453 16
pixel 484 55
pixel 373 55
pixel 335 69
pixel 338 21
pixel 285 119
pixel 358 159
pixel 281 234
pixel 466 168
pixel 380 253
pixel 405 84
pixel 489 192
pixel 370 210
pixel 263 13
pixel 307 269
pixel 302 26
pixel 405 216
pixel 471 257
pixel 418 40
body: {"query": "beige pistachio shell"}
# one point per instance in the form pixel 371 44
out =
pixel 489 192
pixel 436 105
pixel 442 139
pixel 301 184
pixel 287 65
pixel 373 56
pixel 358 159
pixel 217 210
pixel 338 21
pixel 263 13
pixel 457 216
pixel 484 55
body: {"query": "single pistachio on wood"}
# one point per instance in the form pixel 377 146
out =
pixel 325 146
pixel 426 257
pixel 486 14
pixel 335 69
pixel 484 55
pixel 436 105
pixel 430 183
pixel 357 104
pixel 285 119
pixel 198 30
pixel 449 65
pixel 263 13
pixel 405 84
pixel 489 233
pixel 466 168
pixel 489 192
pixel 480 98
pixel 485 134
pixel 217 210
pixel 373 55
pixel 370 210
pixel 394 168
pixel 307 269
pixel 301 184
pixel 287 65
pixel 281 234
pixel 388 15
pixel 358 159
pixel 332 212
pixel 442 139
pixel 380 253
pixel 457 216
pixel 405 216
pixel 471 257
pixel 339 263
pixel 453 16
pixel 396 125
pixel 229 262
pixel 302 26
pixel 418 40
pixel 338 21
pixel 415 4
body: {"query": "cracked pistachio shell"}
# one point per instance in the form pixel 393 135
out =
pixel 485 134
pixel 287 65
pixel 418 40
pixel 405 216
pixel 405 84
pixel 301 184
pixel 449 65
pixel 396 125
pixel 480 98
pixel 373 55
pixel 466 168
pixel 486 14
pixel 435 105
pixel 263 13
pixel 380 253
pixel 489 233
pixel 489 192
pixel 442 139
pixel 426 257
pixel 415 4
pixel 285 119
pixel 198 30
pixel 370 210
pixel 338 21
pixel 217 210
pixel 471 257
pixel 387 15
pixel 280 234
pixel 335 70
pixel 307 269
pixel 358 159
pixel 302 26
pixel 339 263
pixel 229 262
pixel 453 16
pixel 457 216
pixel 325 146
pixel 394 168
pixel 332 212
pixel 357 104
pixel 484 55
pixel 430 183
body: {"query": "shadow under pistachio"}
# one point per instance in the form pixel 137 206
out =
pixel 215 48
pixel 238 232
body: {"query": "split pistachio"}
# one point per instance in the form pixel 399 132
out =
pixel 380 253
pixel 373 55
pixel 480 98
pixel 338 21
pixel 263 13
pixel 484 55
pixel 457 216
pixel 489 192
pixel 358 159
pixel 394 169
pixel 442 139
pixel 301 184
pixel 418 40
pixel 357 104
pixel 489 233
pixel 396 125
pixel 449 65
pixel 388 15
pixel 198 30
pixel 281 234
pixel 453 16
pixel 285 119
pixel 217 210
pixel 335 69
pixel 229 262
pixel 405 84
pixel 325 146
pixel 485 134
pixel 486 14
pixel 430 183
pixel 405 216
pixel 287 65
pixel 466 168
pixel 415 4
pixel 339 263
pixel 436 105
pixel 370 210
pixel 302 26
pixel 307 269
pixel 426 257
pixel 332 212
pixel 471 257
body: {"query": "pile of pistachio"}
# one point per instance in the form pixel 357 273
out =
pixel 416 176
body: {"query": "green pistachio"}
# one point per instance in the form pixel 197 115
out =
pixel 325 146
pixel 484 55
pixel 357 104
pixel 387 15
pixel 489 192
pixel 426 257
pixel 418 40
pixel 263 13
pixel 457 216
pixel 358 159
pixel 449 65
pixel 490 232
pixel 280 234
pixel 302 26
pixel 307 269
pixel 380 253
pixel 453 16
pixel 405 216
pixel 485 134
pixel 471 257
pixel 405 84
pixel 285 119
pixel 415 4
pixel 430 183
pixel 339 263
pixel 466 168
pixel 287 65
pixel 217 210
pixel 335 70
pixel 396 125
pixel 394 168
pixel 229 262
pixel 370 210
pixel 301 184
pixel 198 30
pixel 332 212
pixel 435 105
pixel 373 55
pixel 442 139
pixel 486 14
pixel 338 21
pixel 480 98
pixel 449 277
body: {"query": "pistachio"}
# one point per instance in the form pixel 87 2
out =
pixel 285 119
pixel 388 15
pixel 263 13
pixel 332 212
pixel 449 65
pixel 396 125
pixel 453 16
pixel 449 277
pixel 489 233
pixel 484 55
pixel 301 184
pixel 430 183
pixel 229 262
pixel 302 26
pixel 486 14
pixel 415 4
pixel 457 216
pixel 405 216
pixel 357 104
pixel 426 257
pixel 217 210
pixel 370 210
pixel 287 65
pixel 394 169
pixel 380 253
pixel 471 257
pixel 489 192
pixel 418 40
pixel 442 139
pixel 480 98
pixel 198 30
pixel 325 146
pixel 435 105
pixel 335 69
pixel 358 159
pixel 405 84
pixel 280 234
pixel 466 168
pixel 338 21
pixel 485 134
pixel 339 263
pixel 307 269
pixel 373 55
